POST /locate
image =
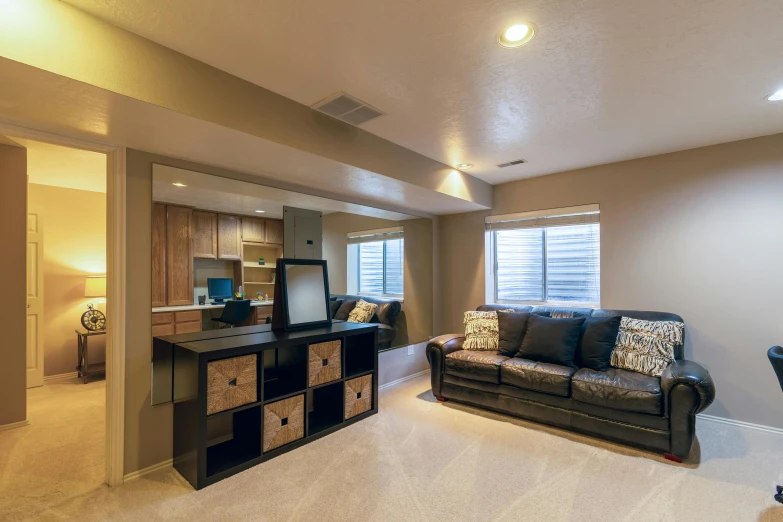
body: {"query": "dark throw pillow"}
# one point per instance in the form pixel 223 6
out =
pixel 334 306
pixel 511 331
pixel 599 335
pixel 551 340
pixel 345 310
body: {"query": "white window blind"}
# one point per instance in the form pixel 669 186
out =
pixel 375 262
pixel 547 256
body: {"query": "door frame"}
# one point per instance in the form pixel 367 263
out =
pixel 115 286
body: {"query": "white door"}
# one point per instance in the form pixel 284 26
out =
pixel 35 353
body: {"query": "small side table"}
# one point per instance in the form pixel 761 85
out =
pixel 84 368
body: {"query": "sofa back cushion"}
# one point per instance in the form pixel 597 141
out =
pixel 511 331
pixel 344 311
pixel 551 340
pixel 599 335
pixel 647 316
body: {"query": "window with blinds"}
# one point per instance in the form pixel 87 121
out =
pixel 375 262
pixel 547 256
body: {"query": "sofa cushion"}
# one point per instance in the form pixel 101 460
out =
pixel 551 340
pixel 334 305
pixel 481 331
pixel 618 389
pixel 476 365
pixel 646 346
pixel 363 312
pixel 599 335
pixel 345 309
pixel 537 376
pixel 511 331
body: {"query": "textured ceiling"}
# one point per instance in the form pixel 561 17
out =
pixel 232 196
pixel 603 81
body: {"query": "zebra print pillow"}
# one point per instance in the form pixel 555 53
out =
pixel 481 330
pixel 646 346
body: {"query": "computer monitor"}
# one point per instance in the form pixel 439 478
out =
pixel 220 288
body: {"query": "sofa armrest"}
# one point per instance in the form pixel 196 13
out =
pixel 437 350
pixel 690 374
pixel 442 345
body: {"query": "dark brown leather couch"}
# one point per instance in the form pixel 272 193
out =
pixel 655 413
pixel 388 315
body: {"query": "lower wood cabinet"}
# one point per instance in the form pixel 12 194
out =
pixel 170 323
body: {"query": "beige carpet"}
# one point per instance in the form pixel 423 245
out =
pixel 416 460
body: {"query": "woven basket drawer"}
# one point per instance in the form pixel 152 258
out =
pixel 231 383
pixel 325 362
pixel 283 422
pixel 358 396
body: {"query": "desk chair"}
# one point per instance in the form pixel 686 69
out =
pixel 775 355
pixel 235 312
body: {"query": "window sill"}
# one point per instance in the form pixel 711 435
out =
pixel 560 304
pixel 395 298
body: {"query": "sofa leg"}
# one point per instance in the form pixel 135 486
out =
pixel 441 399
pixel 673 458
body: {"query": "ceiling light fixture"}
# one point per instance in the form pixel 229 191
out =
pixel 463 166
pixel 260 211
pixel 776 96
pixel 178 184
pixel 517 35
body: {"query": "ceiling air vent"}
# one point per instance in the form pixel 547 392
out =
pixel 347 108
pixel 515 162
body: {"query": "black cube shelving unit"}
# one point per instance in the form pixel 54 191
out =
pixel 209 448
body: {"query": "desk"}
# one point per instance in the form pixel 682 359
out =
pixel 84 368
pixel 173 320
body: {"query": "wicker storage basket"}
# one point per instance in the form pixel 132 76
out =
pixel 283 422
pixel 231 383
pixel 358 396
pixel 325 362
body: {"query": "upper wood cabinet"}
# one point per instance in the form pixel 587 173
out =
pixel 229 244
pixel 274 231
pixel 253 230
pixel 179 255
pixel 205 235
pixel 158 255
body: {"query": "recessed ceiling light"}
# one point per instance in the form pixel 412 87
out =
pixel 260 211
pixel 464 166
pixel 776 96
pixel 178 184
pixel 517 35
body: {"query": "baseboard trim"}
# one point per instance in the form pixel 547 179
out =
pixel 14 425
pixel 398 381
pixel 61 377
pixel 741 424
pixel 149 469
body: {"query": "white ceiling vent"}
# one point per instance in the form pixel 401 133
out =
pixel 515 162
pixel 346 108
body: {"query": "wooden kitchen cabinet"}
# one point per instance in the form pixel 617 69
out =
pixel 179 255
pixel 274 231
pixel 229 241
pixel 158 255
pixel 253 230
pixel 205 235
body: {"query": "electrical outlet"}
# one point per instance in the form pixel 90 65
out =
pixel 410 349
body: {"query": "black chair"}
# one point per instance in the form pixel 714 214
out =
pixel 775 355
pixel 235 312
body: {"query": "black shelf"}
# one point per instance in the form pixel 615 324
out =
pixel 360 354
pixel 325 407
pixel 285 371
pixel 244 444
pixel 234 410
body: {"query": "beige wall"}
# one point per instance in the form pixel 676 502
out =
pixel 697 233
pixel 13 212
pixel 74 232
pixel 417 270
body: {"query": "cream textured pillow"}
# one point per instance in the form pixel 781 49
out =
pixel 646 346
pixel 481 330
pixel 362 312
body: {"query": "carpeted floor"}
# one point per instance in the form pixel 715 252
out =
pixel 416 460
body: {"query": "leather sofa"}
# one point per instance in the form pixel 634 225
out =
pixel 654 413
pixel 388 315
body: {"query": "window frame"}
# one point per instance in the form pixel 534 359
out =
pixel 356 276
pixel 491 276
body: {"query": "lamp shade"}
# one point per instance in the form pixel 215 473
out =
pixel 95 286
